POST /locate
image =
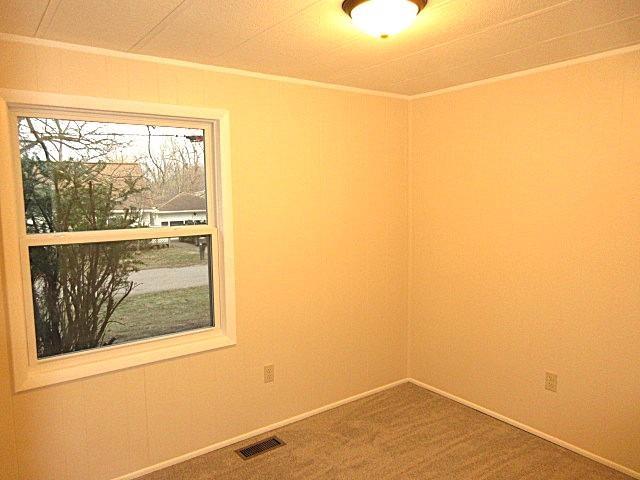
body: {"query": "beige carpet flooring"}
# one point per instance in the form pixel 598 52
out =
pixel 402 433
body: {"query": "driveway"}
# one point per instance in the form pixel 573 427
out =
pixel 165 279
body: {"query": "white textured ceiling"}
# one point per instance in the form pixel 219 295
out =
pixel 452 42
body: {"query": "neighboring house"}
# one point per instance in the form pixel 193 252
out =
pixel 182 209
pixel 122 175
pixel 185 208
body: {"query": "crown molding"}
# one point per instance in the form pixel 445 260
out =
pixel 10 37
pixel 530 71
pixel 311 83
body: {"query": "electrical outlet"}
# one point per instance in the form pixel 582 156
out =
pixel 269 373
pixel 551 382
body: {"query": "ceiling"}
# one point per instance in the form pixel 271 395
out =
pixel 452 42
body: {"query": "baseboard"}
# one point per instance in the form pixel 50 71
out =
pixel 302 416
pixel 253 433
pixel 533 431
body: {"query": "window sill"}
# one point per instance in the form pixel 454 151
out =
pixel 64 368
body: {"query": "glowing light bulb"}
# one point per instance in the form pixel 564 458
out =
pixel 382 18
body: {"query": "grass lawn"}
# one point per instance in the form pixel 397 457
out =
pixel 160 313
pixel 178 254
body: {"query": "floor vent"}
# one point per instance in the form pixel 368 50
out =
pixel 261 447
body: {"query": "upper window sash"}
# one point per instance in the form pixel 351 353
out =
pixel 211 174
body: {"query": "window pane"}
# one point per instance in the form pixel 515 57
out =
pixel 94 295
pixel 82 175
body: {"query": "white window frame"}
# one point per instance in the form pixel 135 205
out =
pixel 31 372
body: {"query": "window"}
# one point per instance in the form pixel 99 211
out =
pixel 120 238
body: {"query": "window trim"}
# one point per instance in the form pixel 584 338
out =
pixel 30 372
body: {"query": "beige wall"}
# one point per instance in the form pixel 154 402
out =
pixel 525 235
pixel 321 264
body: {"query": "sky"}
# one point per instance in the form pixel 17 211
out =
pixel 137 136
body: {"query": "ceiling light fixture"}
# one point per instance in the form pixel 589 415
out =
pixel 382 18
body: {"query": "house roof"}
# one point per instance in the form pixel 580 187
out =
pixel 122 175
pixel 121 170
pixel 185 201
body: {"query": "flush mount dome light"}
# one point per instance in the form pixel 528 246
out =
pixel 382 18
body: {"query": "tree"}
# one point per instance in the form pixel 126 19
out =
pixel 67 187
pixel 177 166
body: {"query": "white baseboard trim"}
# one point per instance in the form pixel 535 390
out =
pixel 533 431
pixel 253 433
pixel 302 416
